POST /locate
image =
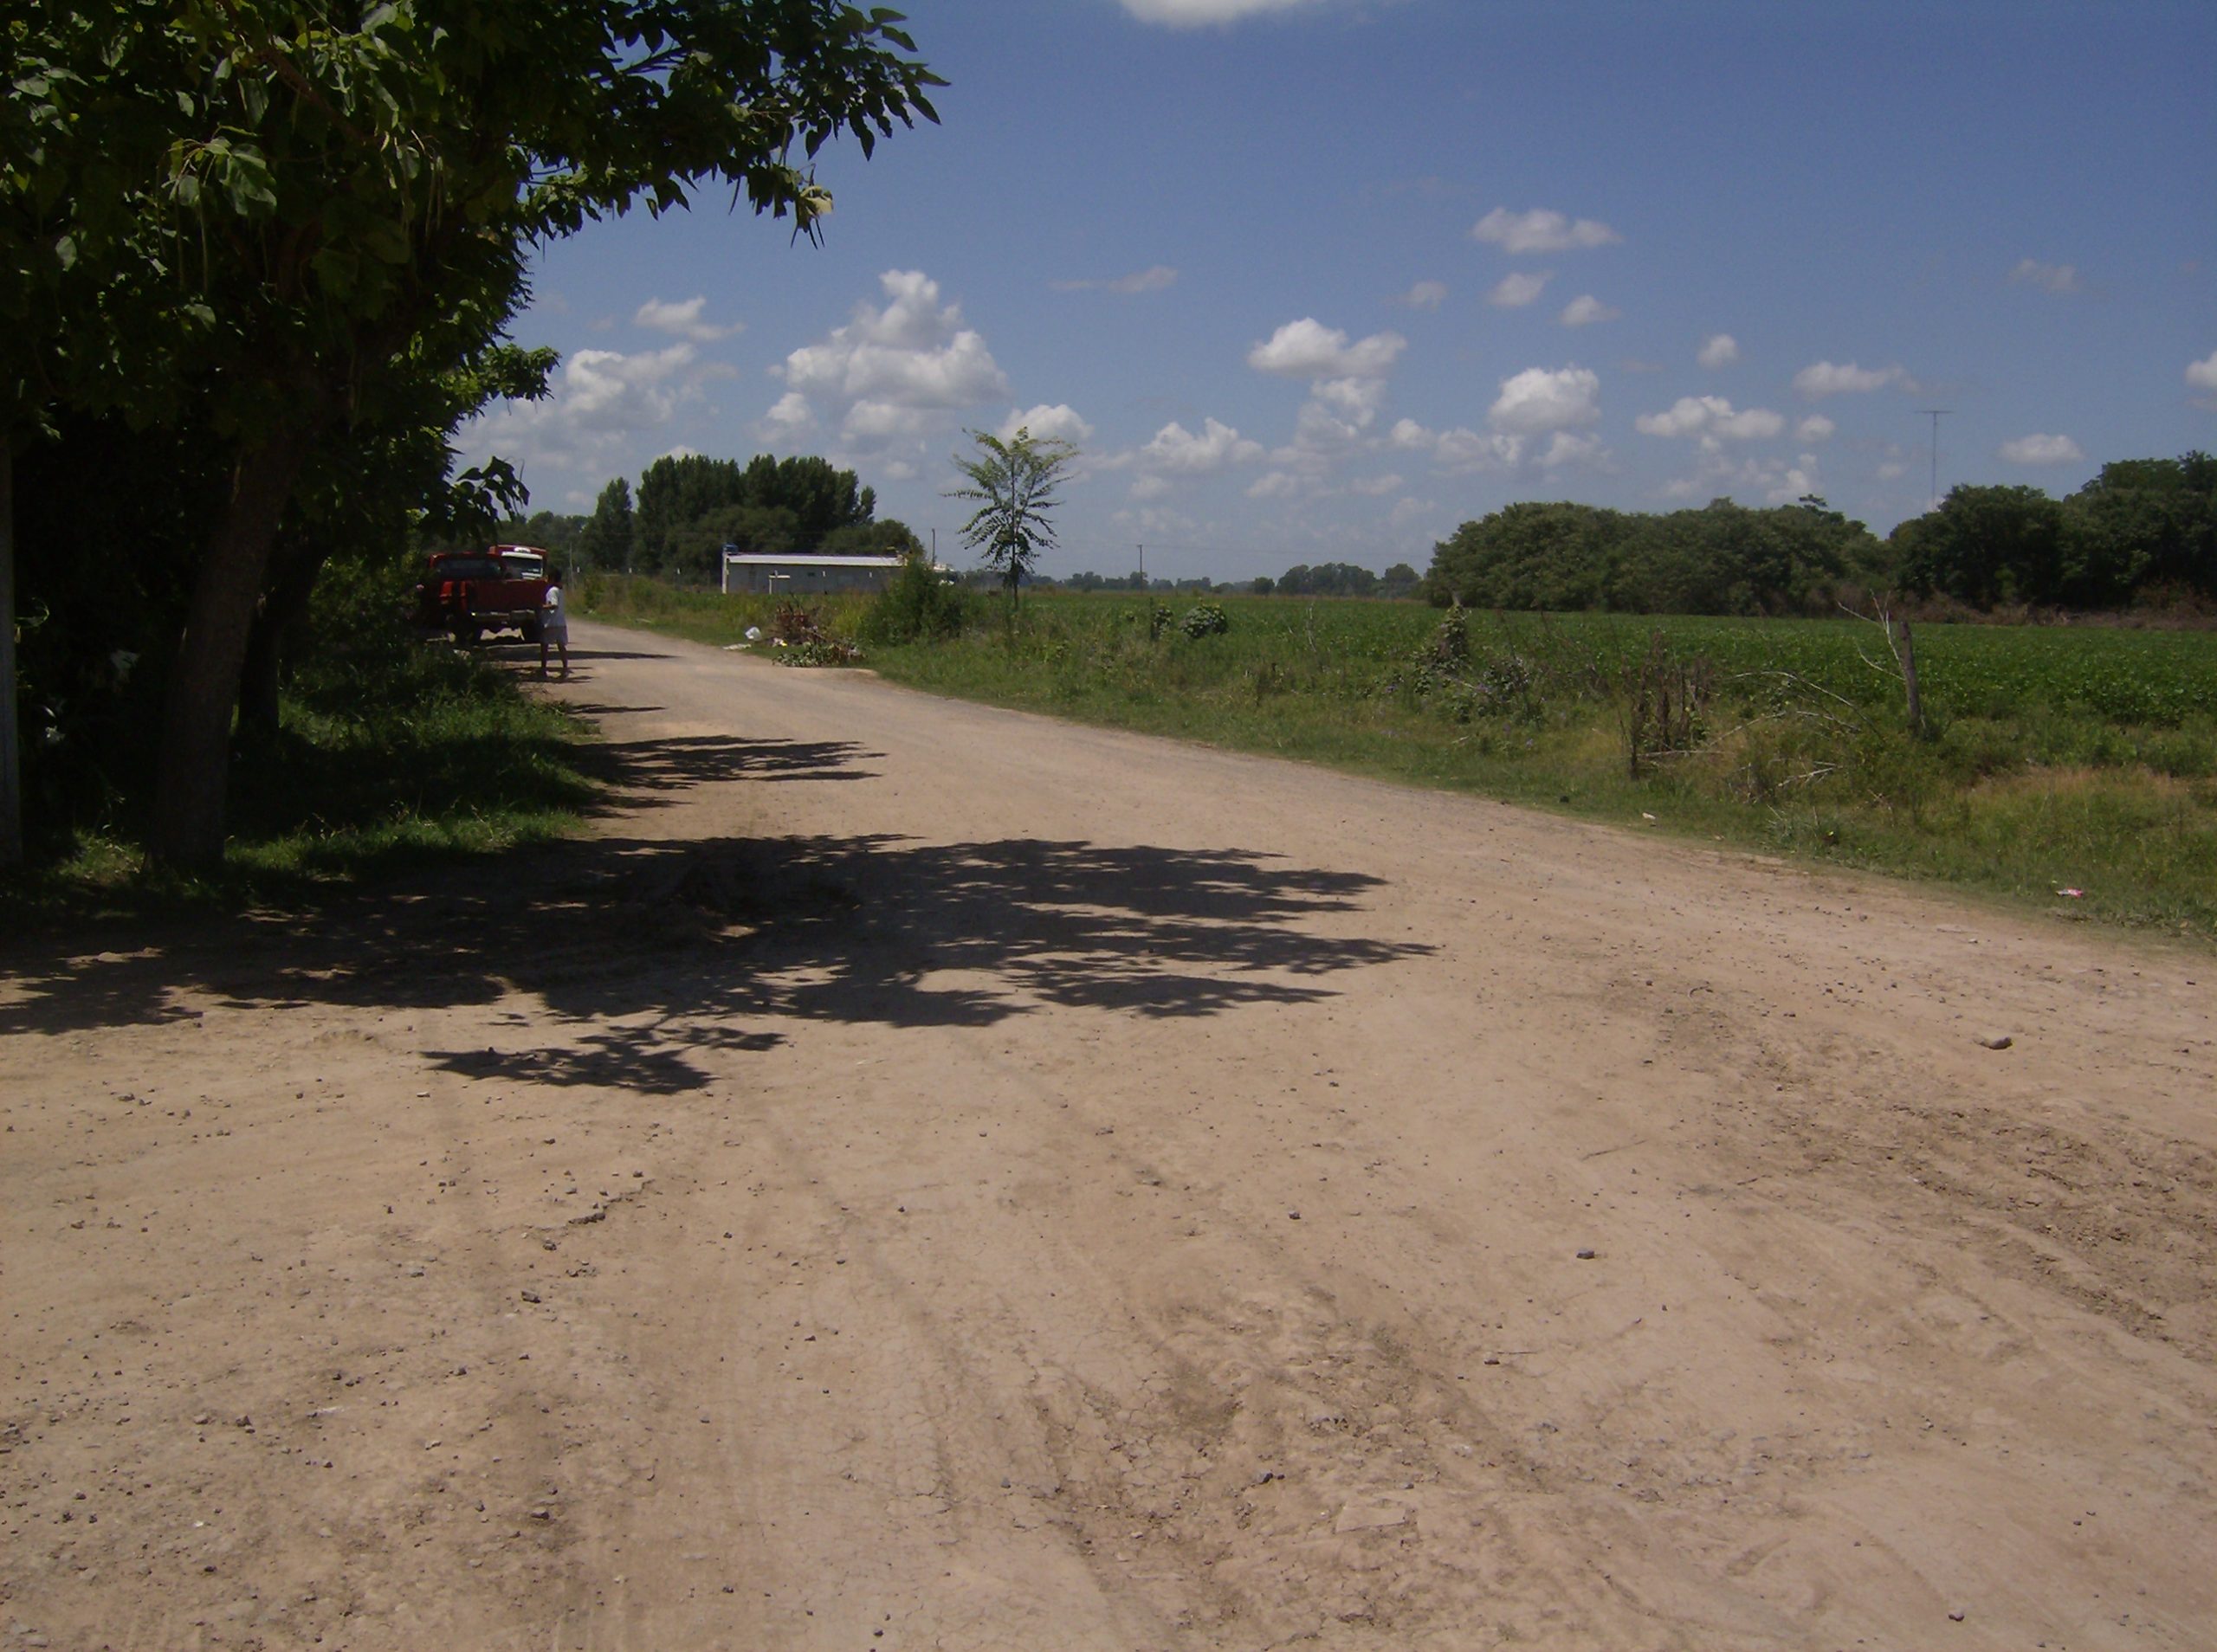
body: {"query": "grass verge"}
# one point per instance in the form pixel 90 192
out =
pixel 390 752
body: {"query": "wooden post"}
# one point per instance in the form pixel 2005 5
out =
pixel 1909 680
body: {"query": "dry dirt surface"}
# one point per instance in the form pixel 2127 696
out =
pixel 925 1176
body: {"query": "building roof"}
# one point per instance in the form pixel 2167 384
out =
pixel 750 559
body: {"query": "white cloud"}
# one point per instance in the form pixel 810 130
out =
pixel 1514 292
pixel 1565 448
pixel 1176 448
pixel 683 319
pixel 1374 487
pixel 893 371
pixel 875 423
pixel 606 390
pixel 1346 384
pixel 1539 400
pixel 1773 481
pixel 1710 417
pixel 1424 295
pixel 789 417
pixel 1541 231
pixel 1060 422
pixel 1462 450
pixel 598 407
pixel 1585 310
pixel 1199 14
pixel 1309 349
pixel 1815 428
pixel 1354 399
pixel 2052 278
pixel 2202 375
pixel 1153 279
pixel 2042 450
pixel 1835 378
pixel 1459 449
pixel 1465 449
pixel 1718 349
pixel 1276 484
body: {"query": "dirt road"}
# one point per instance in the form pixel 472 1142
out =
pixel 923 1175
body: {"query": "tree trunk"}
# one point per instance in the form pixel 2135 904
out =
pixel 11 752
pixel 193 772
pixel 283 605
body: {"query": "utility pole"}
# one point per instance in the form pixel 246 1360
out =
pixel 1142 551
pixel 1936 414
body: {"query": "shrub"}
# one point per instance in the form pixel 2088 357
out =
pixel 917 607
pixel 1205 619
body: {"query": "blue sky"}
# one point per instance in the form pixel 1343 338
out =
pixel 1320 280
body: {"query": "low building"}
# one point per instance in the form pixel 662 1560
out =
pixel 805 576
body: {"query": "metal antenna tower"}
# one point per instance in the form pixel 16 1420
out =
pixel 1936 414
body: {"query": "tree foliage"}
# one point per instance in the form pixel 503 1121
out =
pixel 1722 558
pixel 691 506
pixel 2141 527
pixel 288 226
pixel 1012 483
pixel 1328 579
pixel 609 537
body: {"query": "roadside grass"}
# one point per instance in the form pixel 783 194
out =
pixel 390 752
pixel 445 755
pixel 2054 758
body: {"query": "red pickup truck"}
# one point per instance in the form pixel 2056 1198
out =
pixel 501 588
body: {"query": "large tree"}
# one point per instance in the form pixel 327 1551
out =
pixel 336 207
pixel 691 506
pixel 2141 524
pixel 607 538
pixel 1986 545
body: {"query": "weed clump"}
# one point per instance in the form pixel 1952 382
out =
pixel 1205 619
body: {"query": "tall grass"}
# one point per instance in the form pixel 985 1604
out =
pixel 2053 759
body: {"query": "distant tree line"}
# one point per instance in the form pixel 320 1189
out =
pixel 1339 579
pixel 1326 580
pixel 2144 531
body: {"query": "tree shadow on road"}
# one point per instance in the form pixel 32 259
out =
pixel 637 771
pixel 642 954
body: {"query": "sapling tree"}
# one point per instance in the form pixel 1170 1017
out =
pixel 1012 482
